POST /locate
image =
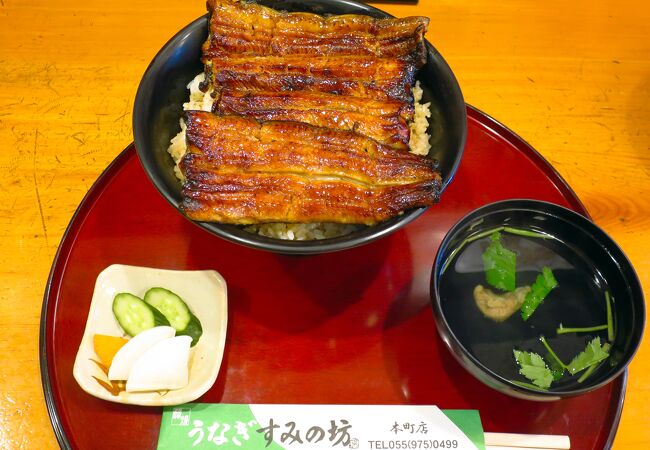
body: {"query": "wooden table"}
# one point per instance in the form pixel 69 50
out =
pixel 572 78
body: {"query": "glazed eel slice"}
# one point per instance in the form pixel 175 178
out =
pixel 240 27
pixel 256 197
pixel 385 121
pixel 235 143
pixel 240 171
pixel 360 76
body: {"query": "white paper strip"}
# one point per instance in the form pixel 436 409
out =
pixel 373 427
pixel 528 441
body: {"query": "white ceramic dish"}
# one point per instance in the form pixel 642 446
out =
pixel 206 295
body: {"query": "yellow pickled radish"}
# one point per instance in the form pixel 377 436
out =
pixel 107 346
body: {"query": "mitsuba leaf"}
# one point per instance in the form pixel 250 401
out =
pixel 500 264
pixel 533 367
pixel 556 369
pixel 592 354
pixel 542 286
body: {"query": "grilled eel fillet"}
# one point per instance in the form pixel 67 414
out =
pixel 348 54
pixel 241 171
pixel 244 28
pixel 384 121
pixel 370 77
pixel 257 50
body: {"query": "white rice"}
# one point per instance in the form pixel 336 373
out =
pixel 418 144
pixel 302 231
pixel 198 101
pixel 419 140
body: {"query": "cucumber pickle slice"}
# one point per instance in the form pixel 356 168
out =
pixel 176 311
pixel 134 315
pixel 170 305
pixel 193 329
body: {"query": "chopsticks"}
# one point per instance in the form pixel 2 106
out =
pixel 512 441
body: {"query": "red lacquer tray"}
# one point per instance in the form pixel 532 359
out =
pixel 349 327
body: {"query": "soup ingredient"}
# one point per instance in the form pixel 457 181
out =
pixel 592 354
pixel 609 326
pixel 134 315
pixel 107 346
pixel 610 319
pixel 499 307
pixel 482 234
pixel 526 233
pixel 590 358
pixel 527 385
pixel 175 311
pixel 543 285
pixel 563 330
pixel 533 367
pixel 163 366
pixel 500 264
pixel 587 373
pixel 126 357
pixel 557 366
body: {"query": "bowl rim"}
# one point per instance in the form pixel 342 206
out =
pixel 237 235
pixel 568 216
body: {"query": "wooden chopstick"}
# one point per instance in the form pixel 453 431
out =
pixel 511 441
pixel 499 447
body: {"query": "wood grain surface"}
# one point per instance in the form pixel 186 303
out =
pixel 572 78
